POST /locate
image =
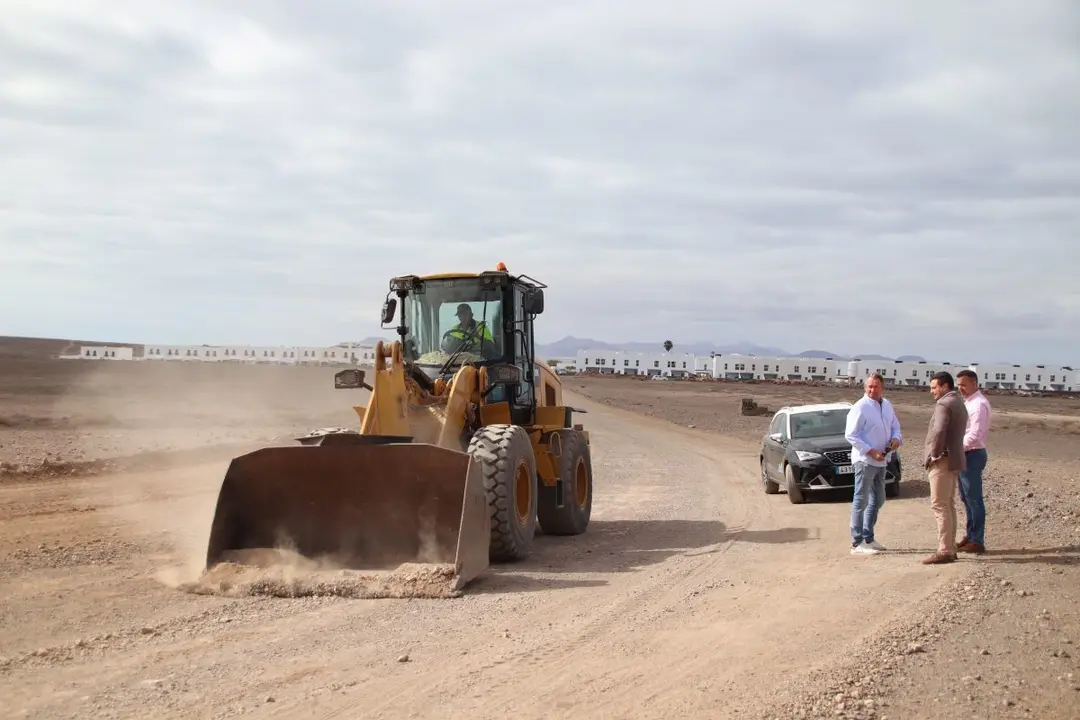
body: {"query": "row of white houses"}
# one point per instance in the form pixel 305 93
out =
pixel 344 353
pixel 1038 378
pixel 802 369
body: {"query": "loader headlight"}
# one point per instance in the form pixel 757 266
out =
pixel 504 375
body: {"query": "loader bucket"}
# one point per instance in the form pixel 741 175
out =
pixel 357 504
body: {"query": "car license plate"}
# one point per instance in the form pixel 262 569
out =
pixel 844 469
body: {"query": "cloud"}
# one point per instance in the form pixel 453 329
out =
pixel 839 174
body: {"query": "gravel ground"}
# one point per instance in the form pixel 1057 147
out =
pixel 996 642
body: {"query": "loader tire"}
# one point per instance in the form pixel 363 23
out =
pixel 576 476
pixel 508 466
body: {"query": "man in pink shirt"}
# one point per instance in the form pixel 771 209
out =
pixel 971 478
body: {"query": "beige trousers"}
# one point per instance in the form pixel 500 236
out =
pixel 943 503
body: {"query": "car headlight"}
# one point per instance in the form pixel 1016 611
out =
pixel 803 455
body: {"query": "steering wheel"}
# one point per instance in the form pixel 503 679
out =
pixel 450 345
pixel 473 341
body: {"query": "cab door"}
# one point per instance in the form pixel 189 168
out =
pixel 519 340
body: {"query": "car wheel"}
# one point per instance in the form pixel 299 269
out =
pixel 794 494
pixel 771 487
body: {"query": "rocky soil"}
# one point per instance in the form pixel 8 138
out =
pixel 998 641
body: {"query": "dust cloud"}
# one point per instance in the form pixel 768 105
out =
pixel 284 572
pixel 186 421
pixel 278 573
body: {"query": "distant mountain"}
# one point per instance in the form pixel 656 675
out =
pixel 886 358
pixel 370 341
pixel 570 345
pixel 822 354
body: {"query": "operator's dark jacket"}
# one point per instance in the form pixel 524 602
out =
pixel 946 431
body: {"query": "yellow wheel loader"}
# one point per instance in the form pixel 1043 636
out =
pixel 464 447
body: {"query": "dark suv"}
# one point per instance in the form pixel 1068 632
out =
pixel 805 450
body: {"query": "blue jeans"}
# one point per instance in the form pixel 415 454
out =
pixel 868 499
pixel 971 492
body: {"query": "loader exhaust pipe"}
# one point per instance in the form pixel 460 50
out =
pixel 358 503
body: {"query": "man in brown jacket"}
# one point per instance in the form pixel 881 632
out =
pixel 944 459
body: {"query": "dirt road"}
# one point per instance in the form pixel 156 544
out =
pixel 690 595
pixel 693 594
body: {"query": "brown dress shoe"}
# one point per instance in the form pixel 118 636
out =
pixel 960 545
pixel 971 548
pixel 938 558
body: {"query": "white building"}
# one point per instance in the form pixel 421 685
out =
pixel 798 369
pixel 906 373
pixel 625 362
pixel 1028 377
pixel 342 354
pixel 1036 378
pixel 105 352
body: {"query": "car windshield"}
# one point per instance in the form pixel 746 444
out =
pixel 450 315
pixel 820 423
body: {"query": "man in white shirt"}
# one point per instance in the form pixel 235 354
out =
pixel 971 477
pixel 874 433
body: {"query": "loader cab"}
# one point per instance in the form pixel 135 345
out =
pixel 524 303
pixel 496 331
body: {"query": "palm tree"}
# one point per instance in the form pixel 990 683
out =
pixel 668 345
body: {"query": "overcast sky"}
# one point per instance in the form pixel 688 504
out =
pixel 831 175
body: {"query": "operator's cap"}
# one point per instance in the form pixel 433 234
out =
pixel 464 308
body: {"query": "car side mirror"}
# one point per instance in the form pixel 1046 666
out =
pixel 388 309
pixel 534 302
pixel 776 437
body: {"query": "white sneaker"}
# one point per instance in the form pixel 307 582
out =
pixel 876 545
pixel 863 549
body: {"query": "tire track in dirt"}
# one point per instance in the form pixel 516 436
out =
pixel 724 620
pixel 637 618
pixel 693 491
pixel 818 641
